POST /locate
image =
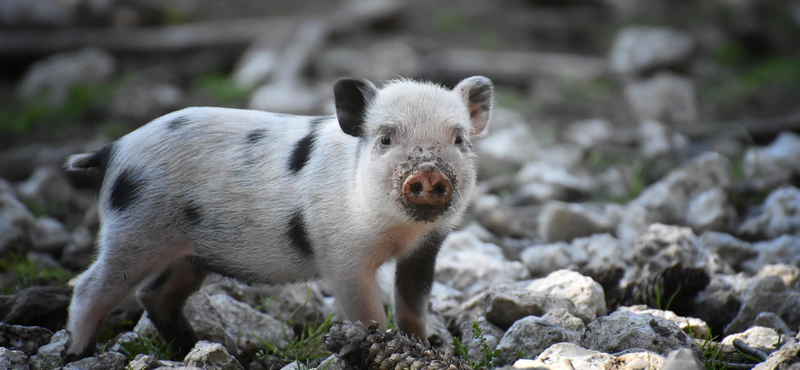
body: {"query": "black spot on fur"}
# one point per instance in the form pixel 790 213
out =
pixel 177 122
pixel 302 150
pixel 414 273
pixel 125 189
pixel 192 213
pixel 298 234
pixel 256 135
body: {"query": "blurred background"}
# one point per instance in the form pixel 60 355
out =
pixel 76 70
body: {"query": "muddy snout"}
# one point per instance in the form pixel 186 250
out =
pixel 428 187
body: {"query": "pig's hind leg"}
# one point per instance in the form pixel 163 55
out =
pixel 121 265
pixel 164 298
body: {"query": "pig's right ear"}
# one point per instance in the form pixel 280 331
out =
pixel 352 99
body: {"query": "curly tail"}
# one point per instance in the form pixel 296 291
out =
pixel 88 169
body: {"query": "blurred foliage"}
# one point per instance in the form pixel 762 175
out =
pixel 18 119
pixel 450 22
pixel 171 16
pixel 222 88
pixel 29 273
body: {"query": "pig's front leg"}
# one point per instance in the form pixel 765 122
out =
pixel 413 282
pixel 357 295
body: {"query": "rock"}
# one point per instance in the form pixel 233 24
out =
pixel 49 235
pixel 509 144
pixel 667 200
pixel 438 334
pixel 532 335
pixel 145 362
pixel 780 214
pixel 444 298
pixel 25 338
pixel 301 303
pixel 771 166
pixel 732 250
pixel 623 330
pixel 571 356
pixel 719 303
pixel 664 246
pixel 589 133
pixel 563 318
pixel 790 274
pixel 564 180
pixel 782 358
pixel 506 304
pixel 333 362
pixel 597 252
pixel 246 324
pixel 49 189
pixel 49 355
pixel 205 319
pixel 689 325
pixel 13 359
pixel 286 98
pixel 516 222
pixel 566 221
pixel 710 210
pixel 211 356
pixel 682 359
pixel 638 49
pixel 57 75
pixel 784 249
pixel 44 306
pixel 666 97
pixel 78 254
pixel 491 333
pixel 16 224
pixel 582 291
pixel 759 337
pixel 469 265
pixel 108 360
pixel 773 321
pixel 768 294
pixel 143 100
pixel 656 140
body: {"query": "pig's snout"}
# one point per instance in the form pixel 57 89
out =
pixel 428 187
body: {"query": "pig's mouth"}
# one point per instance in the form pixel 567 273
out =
pixel 426 188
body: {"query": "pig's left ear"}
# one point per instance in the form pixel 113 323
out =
pixel 352 98
pixel 477 93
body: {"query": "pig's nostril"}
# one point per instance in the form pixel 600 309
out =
pixel 439 190
pixel 416 188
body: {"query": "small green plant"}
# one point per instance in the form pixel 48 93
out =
pixel 488 354
pixel 669 302
pixel 222 88
pixel 390 317
pixel 145 344
pixel 263 302
pixel 780 342
pixel 29 273
pixel 712 353
pixel 307 346
pixel 450 22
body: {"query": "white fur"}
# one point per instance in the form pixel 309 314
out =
pixel 246 195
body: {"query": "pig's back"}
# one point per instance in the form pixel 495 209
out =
pixel 222 178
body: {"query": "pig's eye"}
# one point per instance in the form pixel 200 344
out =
pixel 459 140
pixel 386 140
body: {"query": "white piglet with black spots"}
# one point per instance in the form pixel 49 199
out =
pixel 275 198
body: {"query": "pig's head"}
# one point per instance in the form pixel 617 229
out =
pixel 415 157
